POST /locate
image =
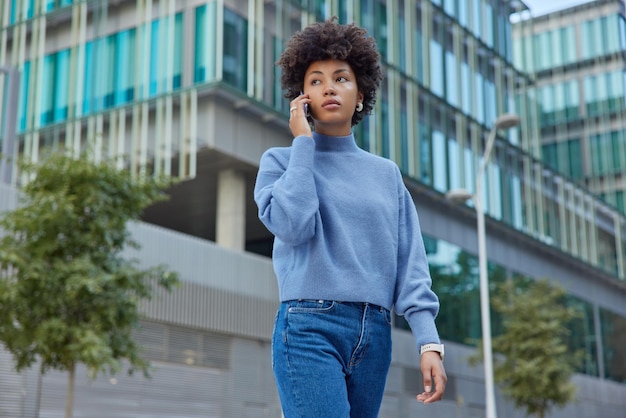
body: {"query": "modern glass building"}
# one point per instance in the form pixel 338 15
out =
pixel 189 88
pixel 576 57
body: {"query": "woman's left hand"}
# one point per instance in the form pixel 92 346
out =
pixel 434 372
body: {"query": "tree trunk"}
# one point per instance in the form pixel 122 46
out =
pixel 39 382
pixel 69 404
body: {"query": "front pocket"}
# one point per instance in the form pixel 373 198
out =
pixel 311 306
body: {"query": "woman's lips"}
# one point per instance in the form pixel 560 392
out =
pixel 331 104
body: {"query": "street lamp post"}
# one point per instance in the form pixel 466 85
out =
pixel 506 121
pixel 10 123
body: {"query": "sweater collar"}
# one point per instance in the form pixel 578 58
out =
pixel 334 143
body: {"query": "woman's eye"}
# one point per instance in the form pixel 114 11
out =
pixel 315 82
pixel 342 79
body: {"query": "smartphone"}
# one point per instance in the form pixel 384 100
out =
pixel 306 106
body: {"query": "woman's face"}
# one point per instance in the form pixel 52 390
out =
pixel 334 94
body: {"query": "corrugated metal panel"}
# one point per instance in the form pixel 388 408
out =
pixel 162 342
pixel 11 397
pixel 201 261
pixel 174 391
pixel 199 306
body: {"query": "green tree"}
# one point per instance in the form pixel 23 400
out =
pixel 535 365
pixel 67 296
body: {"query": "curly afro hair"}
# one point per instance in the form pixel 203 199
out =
pixel 330 40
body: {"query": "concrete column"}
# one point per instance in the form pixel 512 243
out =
pixel 231 210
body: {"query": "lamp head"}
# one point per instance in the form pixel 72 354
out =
pixel 459 196
pixel 507 121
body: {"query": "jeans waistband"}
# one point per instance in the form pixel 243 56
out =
pixel 354 304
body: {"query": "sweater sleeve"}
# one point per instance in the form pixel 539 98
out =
pixel 285 192
pixel 414 297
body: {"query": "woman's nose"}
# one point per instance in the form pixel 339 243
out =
pixel 329 91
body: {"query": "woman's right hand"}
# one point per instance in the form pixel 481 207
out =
pixel 298 122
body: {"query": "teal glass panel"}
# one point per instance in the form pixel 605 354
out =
pixel 55 4
pixel 235 50
pixel 384 126
pixel 466 96
pixel 177 77
pixel 613 331
pixel 476 17
pixel 568 45
pixel 587 36
pixel 455 280
pixel 490 98
pixel 463 13
pixel 451 79
pixel 404 137
pixel 61 86
pixel 205 43
pixel 23 97
pixel 612 34
pixel 449 6
pixel 54 88
pixel 418 57
pixel 124 85
pixel 489 24
pixel 440 170
pixel 47 90
pixel 160 55
pixel 478 110
pixel 436 68
pixel 278 100
pixel 156 82
pixel 425 145
pixel 97 75
pixel 402 46
pixel 26 11
pixel 454 164
pixel 381 30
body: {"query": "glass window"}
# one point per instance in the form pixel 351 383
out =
pixel 27 8
pixel 451 81
pixel 436 68
pixel 466 88
pixel 161 56
pixel 489 24
pixel 235 50
pixel 23 100
pixel 479 99
pixel 454 164
pixel 587 38
pixel 440 159
pixel 205 43
pixel 420 53
pixel 611 35
pixel 55 87
pixel 426 166
pixel 568 39
pixel 613 331
pixel 556 48
pixel 124 53
pixel 456 282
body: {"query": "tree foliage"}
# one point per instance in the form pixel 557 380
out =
pixel 67 295
pixel 535 367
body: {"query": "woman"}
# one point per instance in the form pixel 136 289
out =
pixel 348 246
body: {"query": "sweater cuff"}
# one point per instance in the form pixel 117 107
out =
pixel 424 328
pixel 302 152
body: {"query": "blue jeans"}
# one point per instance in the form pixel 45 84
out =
pixel 331 359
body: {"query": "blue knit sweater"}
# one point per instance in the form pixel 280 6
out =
pixel 345 229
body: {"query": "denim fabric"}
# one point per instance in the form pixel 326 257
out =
pixel 331 359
